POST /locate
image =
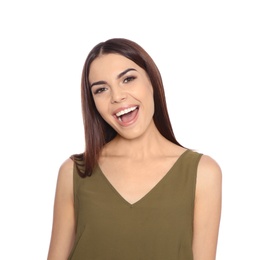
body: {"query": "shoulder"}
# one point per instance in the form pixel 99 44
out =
pixel 209 167
pixel 63 226
pixel 67 165
pixel 66 168
pixel 209 174
pixel 65 175
pixel 207 210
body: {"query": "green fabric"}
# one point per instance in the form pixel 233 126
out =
pixel 157 227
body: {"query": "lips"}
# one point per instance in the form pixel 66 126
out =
pixel 126 116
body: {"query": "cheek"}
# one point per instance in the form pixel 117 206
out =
pixel 148 88
pixel 101 107
pixel 151 90
pixel 143 91
pixel 149 93
pixel 151 100
pixel 98 106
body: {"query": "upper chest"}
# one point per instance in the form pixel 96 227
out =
pixel 134 179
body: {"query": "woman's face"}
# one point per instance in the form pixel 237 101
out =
pixel 123 94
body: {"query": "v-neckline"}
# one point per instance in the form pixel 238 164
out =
pixel 150 191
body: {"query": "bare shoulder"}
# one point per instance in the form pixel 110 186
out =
pixel 67 166
pixel 65 175
pixel 63 228
pixel 209 173
pixel 208 165
pixel 207 208
pixel 66 169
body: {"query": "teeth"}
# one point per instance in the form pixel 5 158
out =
pixel 125 111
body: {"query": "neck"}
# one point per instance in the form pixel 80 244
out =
pixel 151 144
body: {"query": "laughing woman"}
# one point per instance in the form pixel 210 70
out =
pixel 135 192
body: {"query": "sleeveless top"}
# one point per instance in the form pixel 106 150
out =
pixel 157 227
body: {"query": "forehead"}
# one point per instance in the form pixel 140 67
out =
pixel 111 64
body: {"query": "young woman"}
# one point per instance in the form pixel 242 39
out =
pixel 135 193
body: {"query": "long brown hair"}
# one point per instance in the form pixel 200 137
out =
pixel 97 131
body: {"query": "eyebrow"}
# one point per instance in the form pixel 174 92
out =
pixel 119 76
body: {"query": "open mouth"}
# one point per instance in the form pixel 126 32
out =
pixel 127 115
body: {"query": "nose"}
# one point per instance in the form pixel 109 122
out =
pixel 118 95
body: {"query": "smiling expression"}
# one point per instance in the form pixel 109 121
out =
pixel 123 94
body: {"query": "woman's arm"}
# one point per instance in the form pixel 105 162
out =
pixel 63 229
pixel 207 209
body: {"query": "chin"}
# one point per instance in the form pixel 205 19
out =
pixel 131 135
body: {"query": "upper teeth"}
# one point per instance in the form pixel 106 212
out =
pixel 125 111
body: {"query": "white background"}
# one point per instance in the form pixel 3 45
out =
pixel 207 52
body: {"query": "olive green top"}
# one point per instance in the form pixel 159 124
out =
pixel 157 227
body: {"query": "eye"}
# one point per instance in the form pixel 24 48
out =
pixel 128 79
pixel 99 90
